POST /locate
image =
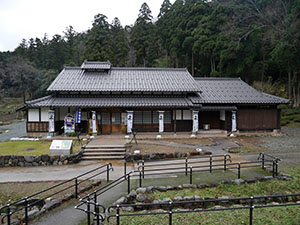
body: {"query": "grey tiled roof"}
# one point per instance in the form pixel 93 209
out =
pixel 109 101
pixel 96 65
pixel 125 79
pixel 232 90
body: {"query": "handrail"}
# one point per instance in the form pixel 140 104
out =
pixel 26 200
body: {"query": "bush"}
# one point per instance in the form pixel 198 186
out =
pixel 290 111
pixel 297 119
pixel 290 118
pixel 73 134
pixel 284 122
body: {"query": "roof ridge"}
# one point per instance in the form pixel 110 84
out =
pixel 148 68
pixel 218 78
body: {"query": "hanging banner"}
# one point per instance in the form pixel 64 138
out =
pixel 233 129
pixel 129 121
pixel 94 122
pixel 161 121
pixel 78 116
pixel 69 123
pixel 195 121
pixel 51 115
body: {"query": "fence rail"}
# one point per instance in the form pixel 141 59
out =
pixel 170 207
pixel 25 203
pixel 91 207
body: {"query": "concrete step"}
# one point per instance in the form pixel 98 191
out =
pixel 102 157
pixel 104 146
pixel 102 153
pixel 105 150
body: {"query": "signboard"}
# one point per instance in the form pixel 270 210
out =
pixel 94 131
pixel 51 121
pixel 233 121
pixel 195 122
pixel 78 116
pixel 69 124
pixel 129 121
pixel 161 121
pixel 61 147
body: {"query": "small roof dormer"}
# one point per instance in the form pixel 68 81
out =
pixel 96 66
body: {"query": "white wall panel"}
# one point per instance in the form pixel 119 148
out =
pixel 33 115
pixel 187 115
pixel 44 114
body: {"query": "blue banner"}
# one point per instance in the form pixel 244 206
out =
pixel 78 116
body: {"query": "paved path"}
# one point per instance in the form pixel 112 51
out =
pixel 51 173
pixel 16 129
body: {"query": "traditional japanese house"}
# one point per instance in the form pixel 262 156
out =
pixel 108 99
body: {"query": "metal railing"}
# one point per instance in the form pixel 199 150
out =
pixel 24 204
pixel 90 200
pixel 211 164
pixel 170 206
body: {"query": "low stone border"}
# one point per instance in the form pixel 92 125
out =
pixel 139 195
pixel 154 156
pixel 43 160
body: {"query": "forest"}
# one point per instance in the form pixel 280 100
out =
pixel 257 40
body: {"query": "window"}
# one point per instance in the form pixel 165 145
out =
pixel 137 117
pixel 105 118
pixel 155 117
pixel 147 117
pixel 167 117
pixel 187 115
pixel 115 118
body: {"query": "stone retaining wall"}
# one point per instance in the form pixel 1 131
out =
pixel 155 156
pixel 43 160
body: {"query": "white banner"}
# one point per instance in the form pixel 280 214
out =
pixel 195 121
pixel 129 121
pixel 51 115
pixel 94 122
pixel 233 121
pixel 161 121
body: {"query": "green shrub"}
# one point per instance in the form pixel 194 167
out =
pixel 284 122
pixel 297 119
pixel 290 118
pixel 290 111
pixel 73 134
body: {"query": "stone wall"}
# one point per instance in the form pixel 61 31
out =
pixel 42 160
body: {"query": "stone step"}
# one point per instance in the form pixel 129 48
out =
pixel 104 146
pixel 105 150
pixel 102 157
pixel 102 153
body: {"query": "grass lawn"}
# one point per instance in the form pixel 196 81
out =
pixel 281 215
pixel 10 192
pixel 28 147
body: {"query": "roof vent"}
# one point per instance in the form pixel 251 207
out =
pixel 96 66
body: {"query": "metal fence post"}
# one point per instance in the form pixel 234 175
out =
pixel 210 163
pixel 26 211
pixel 8 214
pixel 170 213
pixel 273 168
pixel 143 165
pixel 95 201
pixel 263 161
pixel 118 215
pixel 224 162
pixel 276 171
pixel 97 214
pixel 76 187
pixel 191 175
pixel 125 168
pixel 107 172
pixel 128 183
pixel 186 166
pixel 140 183
pixel 239 171
pixel 251 211
pixel 88 211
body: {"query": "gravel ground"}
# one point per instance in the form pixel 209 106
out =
pixel 289 139
pixel 16 129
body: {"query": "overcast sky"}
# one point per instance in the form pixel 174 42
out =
pixel 33 18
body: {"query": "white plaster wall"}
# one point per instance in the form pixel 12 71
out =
pixel 178 115
pixel 222 115
pixel 44 114
pixel 33 115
